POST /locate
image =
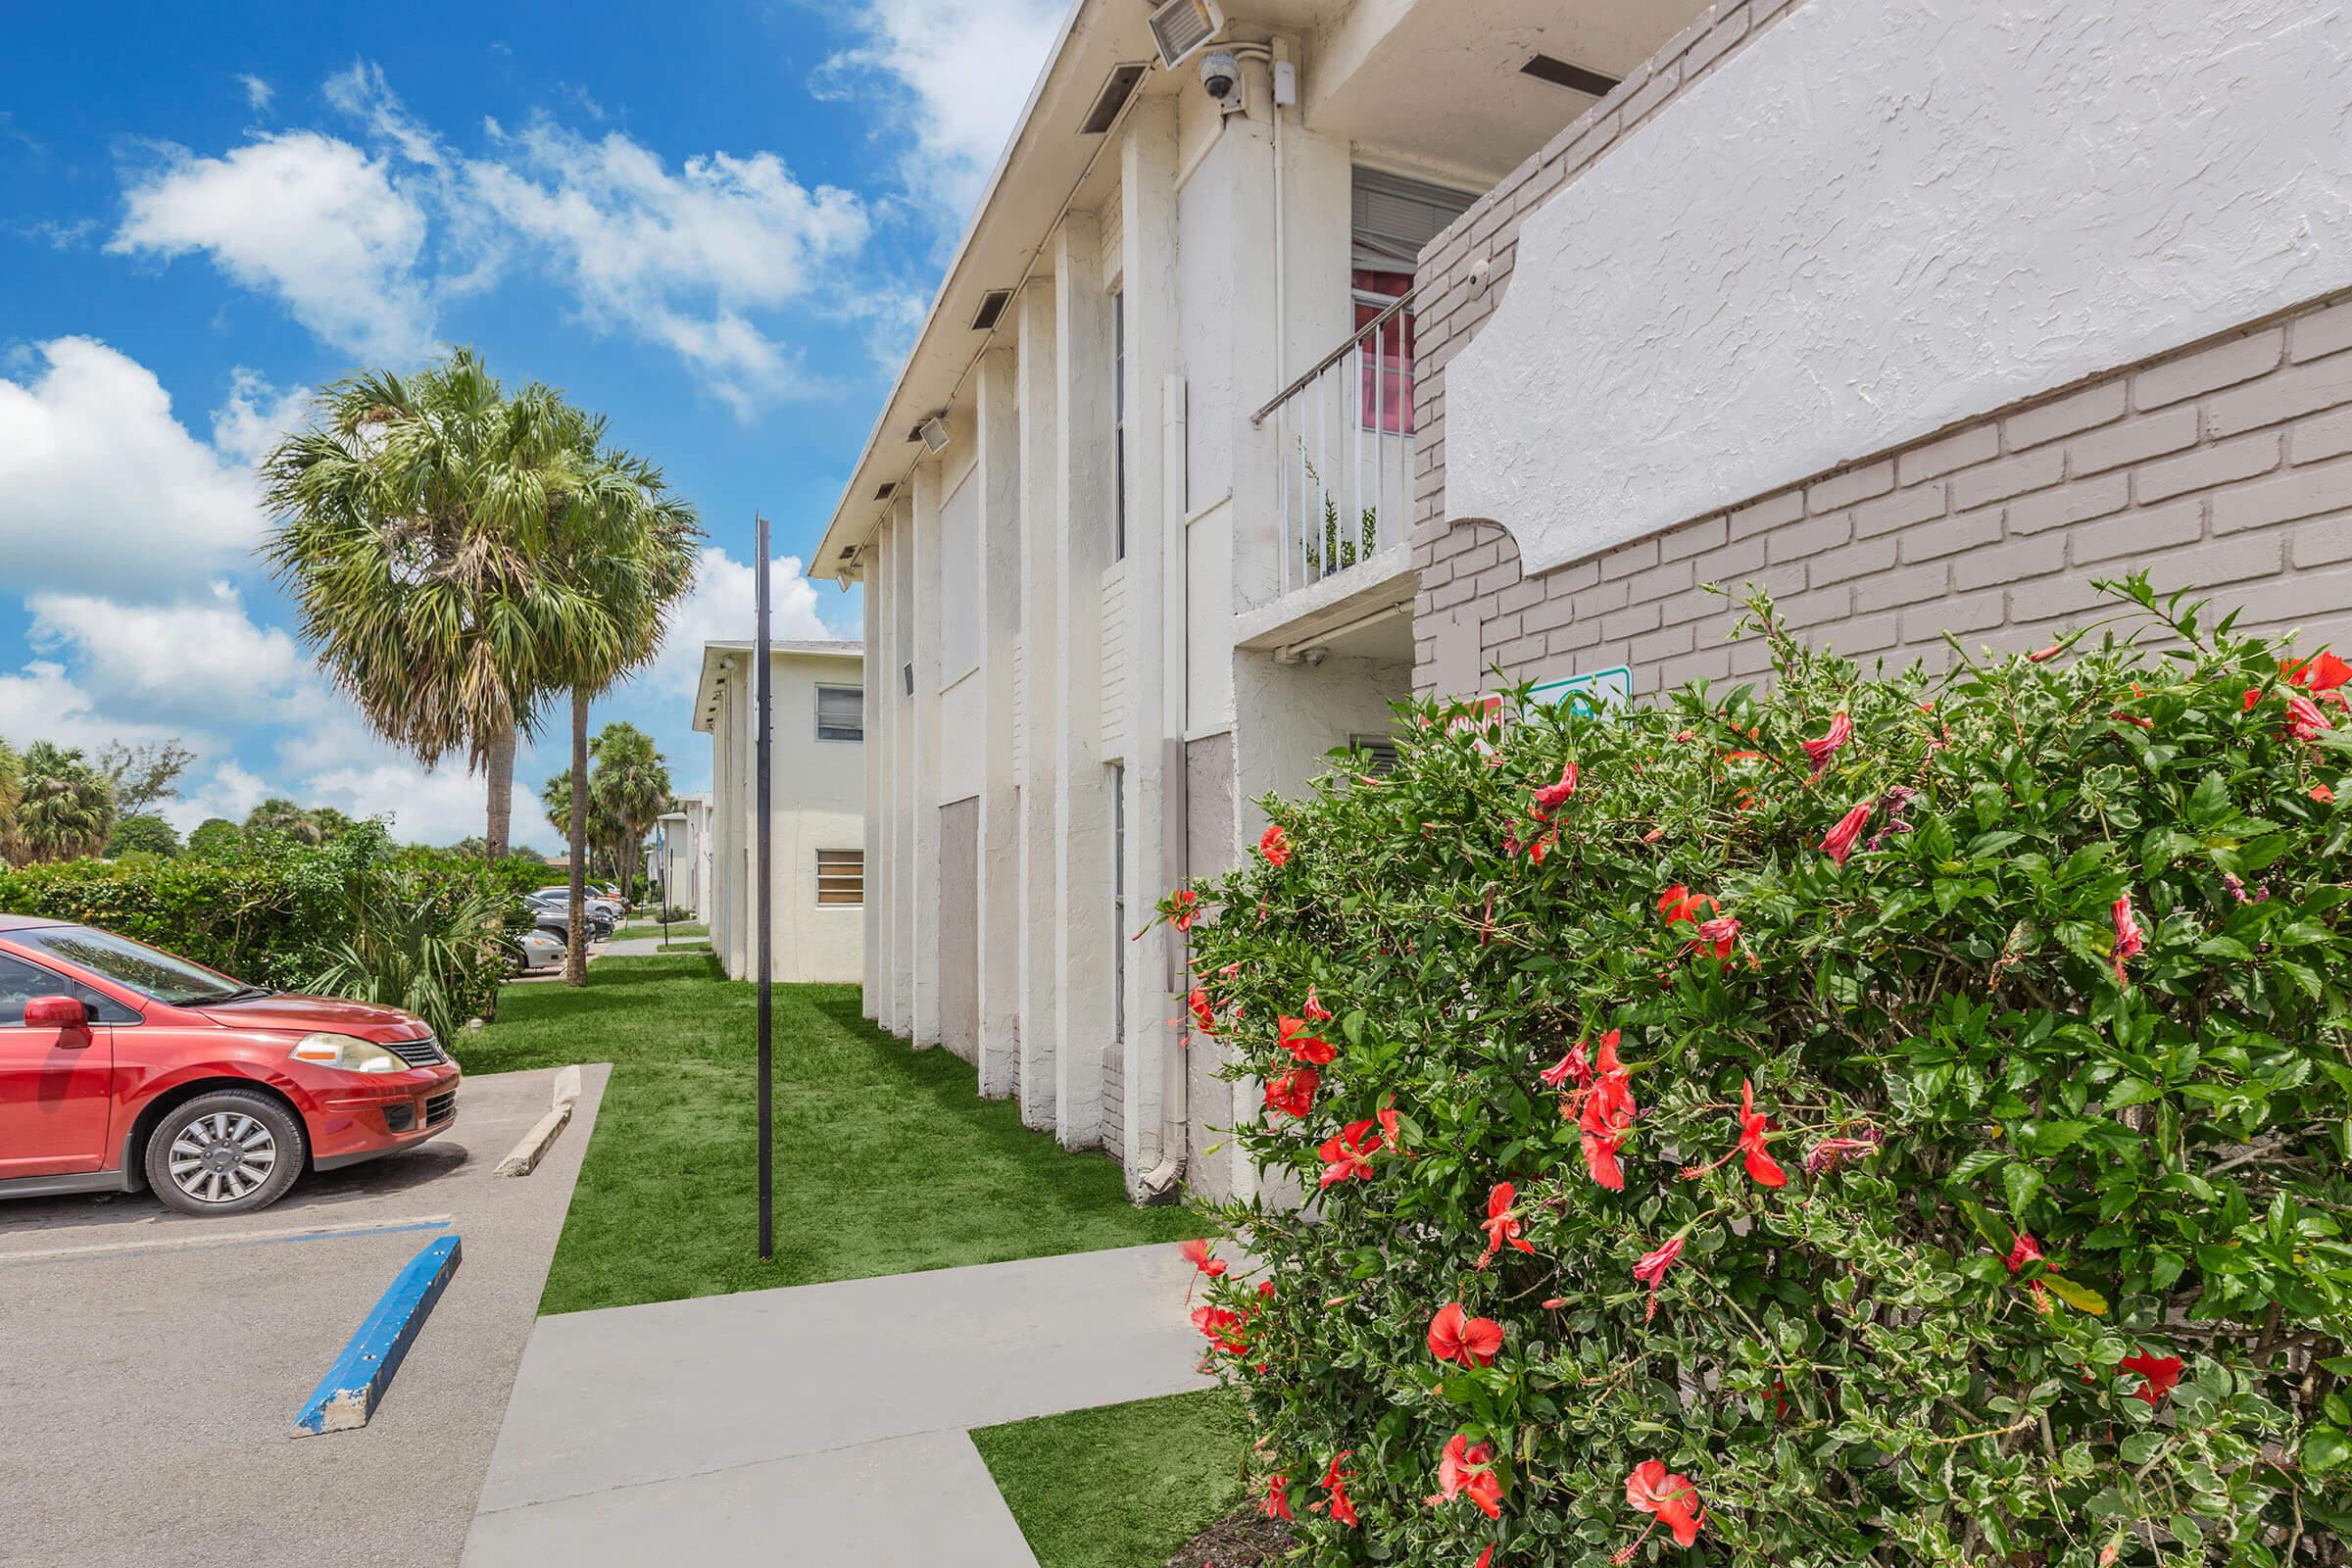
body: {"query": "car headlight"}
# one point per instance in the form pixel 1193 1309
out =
pixel 347 1052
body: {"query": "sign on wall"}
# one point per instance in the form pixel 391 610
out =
pixel 1588 693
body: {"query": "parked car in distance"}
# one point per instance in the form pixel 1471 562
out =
pixel 536 949
pixel 122 1066
pixel 560 899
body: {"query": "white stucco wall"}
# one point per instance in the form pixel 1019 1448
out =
pixel 1886 216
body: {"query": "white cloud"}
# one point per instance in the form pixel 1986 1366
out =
pixel 258 92
pixel 426 805
pixel 680 257
pixel 307 217
pixel 195 656
pixel 228 790
pixel 963 68
pixel 101 486
pixel 721 607
pixel 42 703
pixel 256 415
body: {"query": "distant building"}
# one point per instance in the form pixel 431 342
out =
pixel 816 800
pixel 681 860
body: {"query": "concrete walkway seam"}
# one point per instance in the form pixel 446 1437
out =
pixel 347 1396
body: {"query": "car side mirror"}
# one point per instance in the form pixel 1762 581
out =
pixel 57 1013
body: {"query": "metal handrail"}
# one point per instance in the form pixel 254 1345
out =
pixel 1369 328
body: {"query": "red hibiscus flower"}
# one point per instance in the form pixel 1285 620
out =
pixel 1652 1271
pixel 1187 908
pixel 2026 1251
pixel 1721 933
pixel 2045 654
pixel 1572 1065
pixel 1314 1009
pixel 1669 1499
pixel 2322 793
pixel 1203 1013
pixel 1195 1252
pixel 2323 674
pixel 1464 1471
pixel 1819 752
pixel 1335 1479
pixel 1313 1050
pixel 2304 720
pixel 1387 1115
pixel 1294 1092
pixel 1754 1125
pixel 1274 846
pixel 1842 838
pixel 2158 1373
pixel 1473 1342
pixel 1552 797
pixel 1500 1226
pixel 1486 1559
pixel 1679 902
pixel 1832 1152
pixel 1221 1328
pixel 2130 940
pixel 2252 696
pixel 1608 1110
pixel 1278 1497
pixel 1349 1154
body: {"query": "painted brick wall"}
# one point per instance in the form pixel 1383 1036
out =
pixel 2226 465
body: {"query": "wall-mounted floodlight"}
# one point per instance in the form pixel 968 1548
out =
pixel 934 431
pixel 1181 26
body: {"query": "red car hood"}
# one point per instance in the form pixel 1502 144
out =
pixel 304 1014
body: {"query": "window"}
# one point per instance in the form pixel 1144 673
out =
pixel 1118 902
pixel 840 876
pixel 132 965
pixel 841 713
pixel 21 982
pixel 1118 423
pixel 1393 218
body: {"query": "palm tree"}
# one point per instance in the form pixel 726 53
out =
pixel 416 518
pixel 12 790
pixel 68 805
pixel 282 816
pixel 627 547
pixel 629 788
pixel 555 798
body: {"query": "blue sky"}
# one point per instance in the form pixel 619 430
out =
pixel 718 223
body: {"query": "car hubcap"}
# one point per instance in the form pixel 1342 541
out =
pixel 221 1157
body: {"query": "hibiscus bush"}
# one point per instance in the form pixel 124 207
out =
pixel 1873 1118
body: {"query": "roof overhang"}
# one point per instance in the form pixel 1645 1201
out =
pixel 1042 166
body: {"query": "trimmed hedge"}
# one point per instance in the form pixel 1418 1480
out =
pixel 276 915
pixel 1875 1119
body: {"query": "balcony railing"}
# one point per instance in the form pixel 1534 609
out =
pixel 1343 438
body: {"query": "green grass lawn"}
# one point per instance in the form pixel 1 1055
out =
pixel 1125 1486
pixel 652 928
pixel 886 1159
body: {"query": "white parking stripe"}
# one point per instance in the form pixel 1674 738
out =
pixel 298 1233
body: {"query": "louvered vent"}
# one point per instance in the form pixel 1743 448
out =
pixel 1111 99
pixel 992 306
pixel 1561 74
pixel 1181 26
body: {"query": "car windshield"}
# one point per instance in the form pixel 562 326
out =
pixel 153 974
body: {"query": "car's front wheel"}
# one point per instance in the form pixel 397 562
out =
pixel 229 1151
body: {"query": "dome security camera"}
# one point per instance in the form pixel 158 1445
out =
pixel 1219 71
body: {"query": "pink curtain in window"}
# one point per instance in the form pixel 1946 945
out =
pixel 1388 356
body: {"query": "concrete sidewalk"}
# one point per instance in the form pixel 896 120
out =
pixel 818 1424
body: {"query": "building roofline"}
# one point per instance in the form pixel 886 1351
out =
pixel 1085 49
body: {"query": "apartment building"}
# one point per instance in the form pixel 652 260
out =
pixel 1923 317
pixel 816 804
pixel 681 857
pixel 1132 525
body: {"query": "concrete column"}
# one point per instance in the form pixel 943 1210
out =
pixel 925 853
pixel 1042 636
pixel 1155 573
pixel 1082 508
pixel 999 587
pixel 902 786
pixel 876 962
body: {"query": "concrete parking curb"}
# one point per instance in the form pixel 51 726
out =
pixel 348 1395
pixel 525 1156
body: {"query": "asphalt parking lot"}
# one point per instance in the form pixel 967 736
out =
pixel 151 1363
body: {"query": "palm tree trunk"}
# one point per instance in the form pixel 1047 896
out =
pixel 576 961
pixel 500 768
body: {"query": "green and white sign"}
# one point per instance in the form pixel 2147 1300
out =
pixel 1591 693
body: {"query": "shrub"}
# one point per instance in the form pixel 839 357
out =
pixel 270 910
pixel 418 943
pixel 1919 1143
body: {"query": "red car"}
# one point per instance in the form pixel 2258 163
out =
pixel 122 1067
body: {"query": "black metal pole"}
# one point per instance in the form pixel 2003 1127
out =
pixel 764 832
